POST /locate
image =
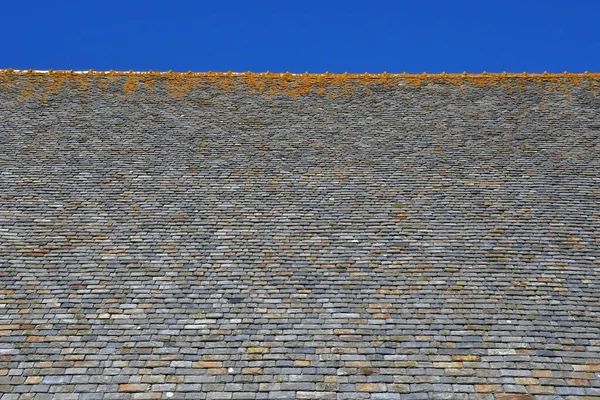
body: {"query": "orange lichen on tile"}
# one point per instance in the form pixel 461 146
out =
pixel 41 84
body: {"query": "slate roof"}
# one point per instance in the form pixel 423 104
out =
pixel 417 240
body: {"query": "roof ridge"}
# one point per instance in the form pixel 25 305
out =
pixel 345 74
pixel 44 83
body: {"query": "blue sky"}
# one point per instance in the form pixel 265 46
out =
pixel 298 36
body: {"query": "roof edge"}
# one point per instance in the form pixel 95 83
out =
pixel 41 84
pixel 326 74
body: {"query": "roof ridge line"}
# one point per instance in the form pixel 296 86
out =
pixel 267 73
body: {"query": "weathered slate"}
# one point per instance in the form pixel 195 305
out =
pixel 432 242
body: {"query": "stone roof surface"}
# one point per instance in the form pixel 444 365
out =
pixel 406 241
